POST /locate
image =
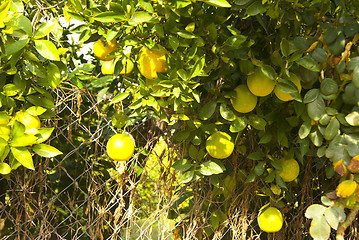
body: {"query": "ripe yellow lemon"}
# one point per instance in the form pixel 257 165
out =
pixel 259 84
pixel 108 67
pixel 120 147
pixel 151 62
pixel 101 50
pixel 270 220
pixel 219 145
pixel 244 101
pixel 286 96
pixel 127 66
pixel 28 120
pixel 290 170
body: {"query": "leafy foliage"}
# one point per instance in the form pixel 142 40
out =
pixel 212 47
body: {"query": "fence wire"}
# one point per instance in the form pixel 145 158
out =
pixel 83 194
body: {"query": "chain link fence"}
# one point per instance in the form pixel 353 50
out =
pixel 83 194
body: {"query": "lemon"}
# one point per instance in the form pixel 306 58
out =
pixel 28 120
pixel 127 66
pixel 290 170
pixel 270 220
pixel 286 96
pixel 120 147
pixel 219 145
pixel 244 101
pixel 259 84
pixel 346 188
pixel 108 67
pixel 151 62
pixel 101 51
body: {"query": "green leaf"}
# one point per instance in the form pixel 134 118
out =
pixel 10 90
pixel 316 137
pixel 198 66
pixel 47 49
pixel 43 134
pixel 269 71
pixel 239 124
pixel 256 8
pixel 182 165
pixel 328 86
pixel 23 140
pixel 353 118
pixel 16 46
pixel 174 42
pixel 207 110
pixel 217 3
pixel 235 41
pixel 304 129
pixel 316 109
pixel 356 76
pixel 108 17
pixel 45 150
pixel 209 168
pixel 257 122
pixel 120 97
pixel 287 47
pixel 319 228
pixel 140 17
pixel 332 129
pixel 332 217
pixel 226 112
pixel 4 168
pixel 315 210
pixel 308 63
pixel 23 156
pixel 43 29
pixel 257 155
pixel 311 95
pixel 23 23
pixel 186 35
pixel 187 177
pixel 259 168
pixel 36 110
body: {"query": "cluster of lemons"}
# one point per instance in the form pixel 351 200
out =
pixel 219 145
pixel 259 85
pixel 150 61
pixel 121 146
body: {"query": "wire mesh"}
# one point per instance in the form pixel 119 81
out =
pixel 83 194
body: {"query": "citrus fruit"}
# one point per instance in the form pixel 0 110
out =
pixel 28 120
pixel 151 62
pixel 346 188
pixel 108 67
pixel 270 220
pixel 259 84
pixel 286 96
pixel 244 101
pixel 101 50
pixel 120 147
pixel 127 66
pixel 290 170
pixel 219 145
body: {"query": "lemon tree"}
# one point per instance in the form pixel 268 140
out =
pixel 239 85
